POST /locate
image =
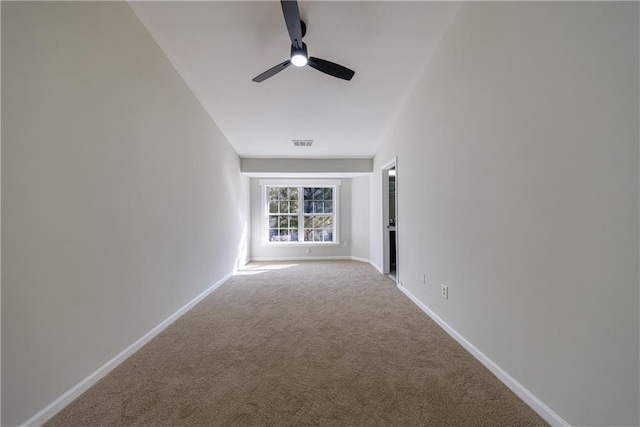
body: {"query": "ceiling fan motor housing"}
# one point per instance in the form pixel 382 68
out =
pixel 299 51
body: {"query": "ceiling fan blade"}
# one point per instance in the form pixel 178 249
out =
pixel 292 18
pixel 331 68
pixel 271 71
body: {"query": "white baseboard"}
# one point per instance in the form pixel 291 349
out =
pixel 373 264
pixel 376 266
pixel 368 261
pixel 57 405
pixel 529 398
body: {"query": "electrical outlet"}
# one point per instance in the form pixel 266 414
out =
pixel 444 291
pixel 424 279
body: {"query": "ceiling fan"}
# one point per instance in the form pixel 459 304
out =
pixel 299 56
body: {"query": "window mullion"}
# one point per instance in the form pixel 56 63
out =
pixel 300 215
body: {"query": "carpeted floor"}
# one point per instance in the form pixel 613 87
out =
pixel 307 343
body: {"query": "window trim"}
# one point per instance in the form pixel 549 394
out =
pixel 335 183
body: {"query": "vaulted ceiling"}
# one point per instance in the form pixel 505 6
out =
pixel 219 46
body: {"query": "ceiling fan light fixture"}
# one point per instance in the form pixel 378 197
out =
pixel 299 56
pixel 299 60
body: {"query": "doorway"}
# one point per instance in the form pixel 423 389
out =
pixel 390 219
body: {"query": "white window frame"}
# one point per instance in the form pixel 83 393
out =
pixel 335 184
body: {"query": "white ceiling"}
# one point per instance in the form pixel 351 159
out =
pixel 218 47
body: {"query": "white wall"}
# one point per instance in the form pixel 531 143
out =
pixel 518 188
pixel 259 250
pixel 121 199
pixel 360 217
pixel 0 223
pixel 313 167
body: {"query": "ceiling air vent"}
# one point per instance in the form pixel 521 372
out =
pixel 302 142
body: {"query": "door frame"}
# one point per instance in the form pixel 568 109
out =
pixel 386 247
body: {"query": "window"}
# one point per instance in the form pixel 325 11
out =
pixel 283 214
pixel 301 213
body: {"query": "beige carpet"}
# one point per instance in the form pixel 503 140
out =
pixel 318 343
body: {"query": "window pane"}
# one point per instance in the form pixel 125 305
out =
pixel 310 235
pixel 328 193
pixel 293 194
pixel 273 221
pixel 317 207
pixel 293 222
pixel 284 207
pixel 328 222
pixel 289 235
pixel 282 193
pixel 308 207
pixel 274 194
pixel 273 207
pixel 283 221
pixel 293 206
pixel 328 207
pixel 283 235
pixel 311 191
